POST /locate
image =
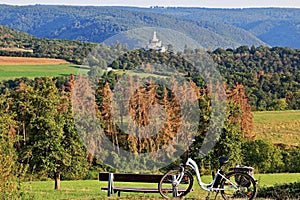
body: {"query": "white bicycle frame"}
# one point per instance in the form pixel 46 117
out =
pixel 208 187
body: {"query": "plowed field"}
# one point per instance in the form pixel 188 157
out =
pixel 5 60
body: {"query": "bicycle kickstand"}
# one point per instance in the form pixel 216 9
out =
pixel 208 196
pixel 216 195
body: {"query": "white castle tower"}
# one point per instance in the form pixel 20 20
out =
pixel 156 44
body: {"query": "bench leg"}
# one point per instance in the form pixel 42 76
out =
pixel 119 193
pixel 110 189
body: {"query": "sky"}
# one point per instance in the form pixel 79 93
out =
pixel 147 3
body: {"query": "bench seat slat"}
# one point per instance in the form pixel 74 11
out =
pixel 148 178
pixel 138 189
pixel 133 189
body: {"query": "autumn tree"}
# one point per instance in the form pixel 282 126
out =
pixel 10 170
pixel 242 111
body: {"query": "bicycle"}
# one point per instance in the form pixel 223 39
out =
pixel 235 184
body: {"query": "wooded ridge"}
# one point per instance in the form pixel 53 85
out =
pixel 227 28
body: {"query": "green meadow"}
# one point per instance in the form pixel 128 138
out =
pixel 8 72
pixel 91 189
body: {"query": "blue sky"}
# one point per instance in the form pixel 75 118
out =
pixel 147 3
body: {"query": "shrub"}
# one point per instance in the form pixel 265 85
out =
pixel 291 159
pixel 263 156
pixel 282 192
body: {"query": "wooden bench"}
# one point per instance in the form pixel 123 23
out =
pixel 142 178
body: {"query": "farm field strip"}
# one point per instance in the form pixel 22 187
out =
pixel 6 60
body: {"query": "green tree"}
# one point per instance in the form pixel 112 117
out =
pixel 279 104
pixel 23 96
pixel 52 146
pixel 228 144
pixel 262 155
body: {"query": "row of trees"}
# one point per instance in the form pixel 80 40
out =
pixel 38 125
pixel 271 76
pixel 43 126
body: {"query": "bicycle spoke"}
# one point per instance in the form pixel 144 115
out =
pixel 238 186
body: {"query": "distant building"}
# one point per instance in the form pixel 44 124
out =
pixel 156 44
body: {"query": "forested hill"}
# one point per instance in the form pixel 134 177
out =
pixel 95 24
pixel 16 43
pixel 227 28
pixel 274 26
pixel 271 76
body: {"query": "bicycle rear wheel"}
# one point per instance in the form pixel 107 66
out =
pixel 167 187
pixel 240 186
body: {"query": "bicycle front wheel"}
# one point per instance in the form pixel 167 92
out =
pixel 239 185
pixel 169 189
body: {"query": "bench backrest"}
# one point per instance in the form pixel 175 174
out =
pixel 146 178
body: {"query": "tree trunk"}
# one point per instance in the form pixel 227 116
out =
pixel 24 133
pixel 57 180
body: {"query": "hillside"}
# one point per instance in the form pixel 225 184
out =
pixel 95 24
pixel 274 26
pixel 212 28
pixel 16 43
pixel 271 76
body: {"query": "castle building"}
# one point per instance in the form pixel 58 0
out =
pixel 156 44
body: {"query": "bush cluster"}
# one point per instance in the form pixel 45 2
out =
pixel 282 192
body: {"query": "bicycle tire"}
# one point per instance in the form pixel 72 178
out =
pixel 247 187
pixel 165 185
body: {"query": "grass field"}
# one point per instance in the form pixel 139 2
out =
pixel 278 126
pixel 91 189
pixel 17 67
pixel 8 72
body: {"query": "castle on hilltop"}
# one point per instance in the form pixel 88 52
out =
pixel 156 44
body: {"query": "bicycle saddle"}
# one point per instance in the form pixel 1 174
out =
pixel 223 160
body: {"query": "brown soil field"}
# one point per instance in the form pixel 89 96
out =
pixel 6 60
